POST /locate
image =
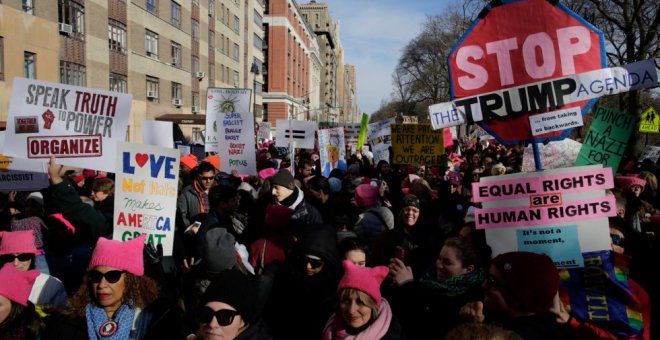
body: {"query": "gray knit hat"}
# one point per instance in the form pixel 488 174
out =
pixel 219 251
pixel 283 178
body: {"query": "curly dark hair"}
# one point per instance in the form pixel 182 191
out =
pixel 140 292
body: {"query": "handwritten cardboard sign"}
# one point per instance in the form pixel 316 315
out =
pixel 417 144
pixel 145 195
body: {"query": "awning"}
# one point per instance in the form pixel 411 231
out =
pixel 181 118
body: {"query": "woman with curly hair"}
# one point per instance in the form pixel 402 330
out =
pixel 116 300
pixel 18 318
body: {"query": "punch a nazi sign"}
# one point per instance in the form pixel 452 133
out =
pixel 607 138
pixel 78 125
pixel 546 199
pixel 146 193
pixel 417 144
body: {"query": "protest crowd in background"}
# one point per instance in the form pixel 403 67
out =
pixel 373 251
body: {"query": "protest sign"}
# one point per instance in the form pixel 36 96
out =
pixel 607 138
pixel 77 125
pixel 22 174
pixel 651 152
pixel 230 129
pixel 554 155
pixel 379 136
pixel 158 133
pixel 351 133
pixel 548 201
pixel 299 132
pixel 333 150
pixel 417 144
pixel 555 121
pixel 264 130
pixel 650 121
pixel 363 131
pixel 145 195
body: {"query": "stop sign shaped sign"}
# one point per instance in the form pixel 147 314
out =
pixel 522 42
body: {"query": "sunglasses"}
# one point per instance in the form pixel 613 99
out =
pixel 21 257
pixel 112 276
pixel 204 178
pixel 224 317
pixel 617 240
pixel 314 263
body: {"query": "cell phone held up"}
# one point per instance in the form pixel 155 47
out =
pixel 193 228
pixel 400 253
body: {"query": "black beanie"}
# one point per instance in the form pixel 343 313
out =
pixel 237 290
pixel 283 178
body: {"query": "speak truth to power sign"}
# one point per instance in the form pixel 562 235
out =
pixel 518 43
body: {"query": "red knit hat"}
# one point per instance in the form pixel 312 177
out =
pixel 79 178
pixel 121 255
pixel 365 279
pixel 531 278
pixel 17 242
pixel 366 195
pixel 278 216
pixel 189 160
pixel 627 182
pixel 16 285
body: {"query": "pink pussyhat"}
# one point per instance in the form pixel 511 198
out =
pixel 16 285
pixel 365 279
pixel 18 242
pixel 121 255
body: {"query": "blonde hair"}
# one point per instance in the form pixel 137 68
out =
pixel 363 297
pixel 650 179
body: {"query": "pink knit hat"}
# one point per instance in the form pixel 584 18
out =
pixel 17 242
pixel 267 172
pixel 121 255
pixel 626 182
pixel 16 285
pixel 365 279
pixel 366 195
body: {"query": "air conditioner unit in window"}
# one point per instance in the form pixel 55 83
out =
pixel 152 94
pixel 235 84
pixel 65 28
pixel 177 102
pixel 175 61
pixel 195 109
pixel 200 75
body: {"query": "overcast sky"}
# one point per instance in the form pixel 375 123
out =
pixel 374 33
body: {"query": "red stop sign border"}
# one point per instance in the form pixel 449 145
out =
pixel 509 130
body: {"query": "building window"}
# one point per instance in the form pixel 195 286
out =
pixel 195 65
pixel 2 60
pixel 211 40
pixel 72 13
pixel 195 30
pixel 176 90
pixel 211 8
pixel 222 12
pixel 30 65
pixel 152 89
pixel 236 51
pixel 237 24
pixel 152 6
pixel 222 73
pixel 118 83
pixel 116 36
pixel 176 14
pixel 28 7
pixel 257 42
pixel 235 78
pixel 258 19
pixel 211 74
pixel 222 43
pixel 176 54
pixel 195 2
pixel 151 43
pixel 195 99
pixel 72 74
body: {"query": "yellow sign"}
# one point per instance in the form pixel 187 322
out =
pixel 650 121
pixel 417 144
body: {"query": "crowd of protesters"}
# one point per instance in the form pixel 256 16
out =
pixel 373 251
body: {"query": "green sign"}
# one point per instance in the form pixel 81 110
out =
pixel 363 131
pixel 607 138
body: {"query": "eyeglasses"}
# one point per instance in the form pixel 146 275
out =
pixel 314 263
pixel 21 257
pixel 204 178
pixel 112 276
pixel 617 240
pixel 224 317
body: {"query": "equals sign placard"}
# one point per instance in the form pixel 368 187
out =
pixel 295 134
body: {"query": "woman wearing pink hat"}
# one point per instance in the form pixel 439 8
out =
pixel 18 249
pixel 18 318
pixel 116 301
pixel 362 312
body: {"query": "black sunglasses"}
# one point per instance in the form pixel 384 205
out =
pixel 112 276
pixel 224 317
pixel 21 257
pixel 316 264
pixel 617 240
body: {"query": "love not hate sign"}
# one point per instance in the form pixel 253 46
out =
pixel 145 203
